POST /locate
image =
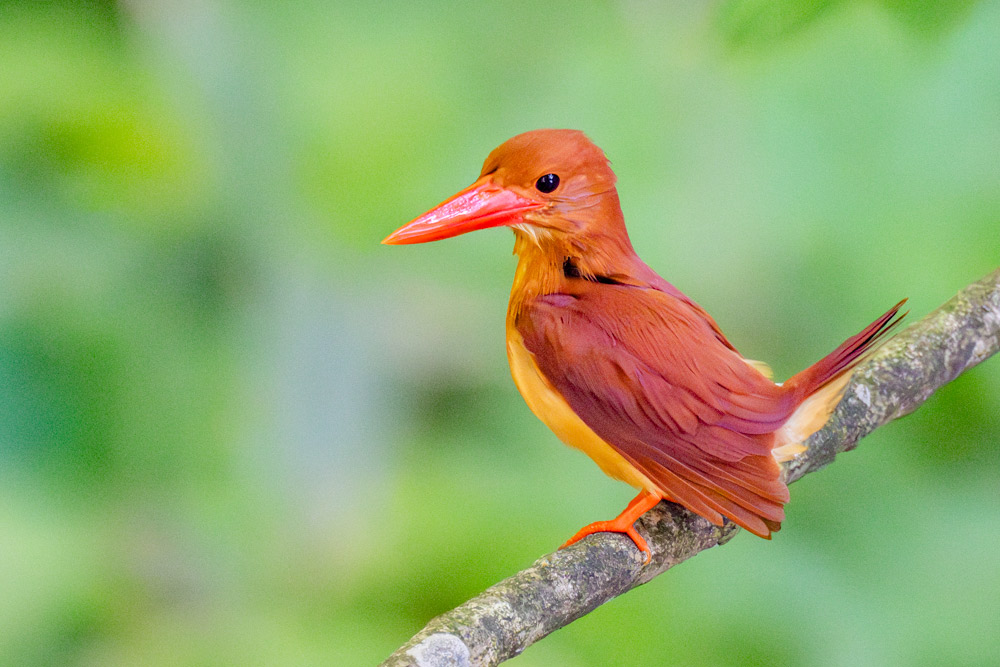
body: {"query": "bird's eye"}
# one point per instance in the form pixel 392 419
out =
pixel 547 183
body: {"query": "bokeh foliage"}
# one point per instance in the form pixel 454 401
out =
pixel 236 430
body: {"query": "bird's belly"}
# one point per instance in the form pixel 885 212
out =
pixel 556 413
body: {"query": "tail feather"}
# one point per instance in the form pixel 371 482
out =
pixel 847 354
pixel 821 386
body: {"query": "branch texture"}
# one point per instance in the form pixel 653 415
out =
pixel 563 586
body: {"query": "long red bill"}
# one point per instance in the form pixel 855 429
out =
pixel 483 204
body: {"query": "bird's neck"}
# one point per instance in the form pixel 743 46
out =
pixel 539 272
pixel 551 263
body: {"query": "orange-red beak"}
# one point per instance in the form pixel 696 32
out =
pixel 483 204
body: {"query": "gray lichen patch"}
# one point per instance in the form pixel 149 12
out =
pixel 440 650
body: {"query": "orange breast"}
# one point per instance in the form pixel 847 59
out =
pixel 553 410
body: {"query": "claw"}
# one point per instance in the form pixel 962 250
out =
pixel 623 523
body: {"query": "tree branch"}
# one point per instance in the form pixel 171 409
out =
pixel 563 586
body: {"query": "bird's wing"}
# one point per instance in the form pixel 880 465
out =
pixel 650 376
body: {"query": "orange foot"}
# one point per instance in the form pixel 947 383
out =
pixel 641 504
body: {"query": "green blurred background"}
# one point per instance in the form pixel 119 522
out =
pixel 234 429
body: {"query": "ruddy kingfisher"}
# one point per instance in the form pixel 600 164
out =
pixel 620 363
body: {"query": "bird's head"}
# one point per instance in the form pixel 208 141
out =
pixel 546 184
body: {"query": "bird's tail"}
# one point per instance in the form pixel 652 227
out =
pixel 820 386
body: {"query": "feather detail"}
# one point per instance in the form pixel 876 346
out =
pixel 647 374
pixel 652 381
pixel 847 355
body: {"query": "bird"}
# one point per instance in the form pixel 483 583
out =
pixel 621 364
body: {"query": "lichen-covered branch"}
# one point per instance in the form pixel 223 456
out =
pixel 565 585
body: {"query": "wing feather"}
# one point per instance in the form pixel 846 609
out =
pixel 654 379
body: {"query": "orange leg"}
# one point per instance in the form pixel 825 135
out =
pixel 641 504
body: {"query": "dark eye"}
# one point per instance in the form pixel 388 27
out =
pixel 547 183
